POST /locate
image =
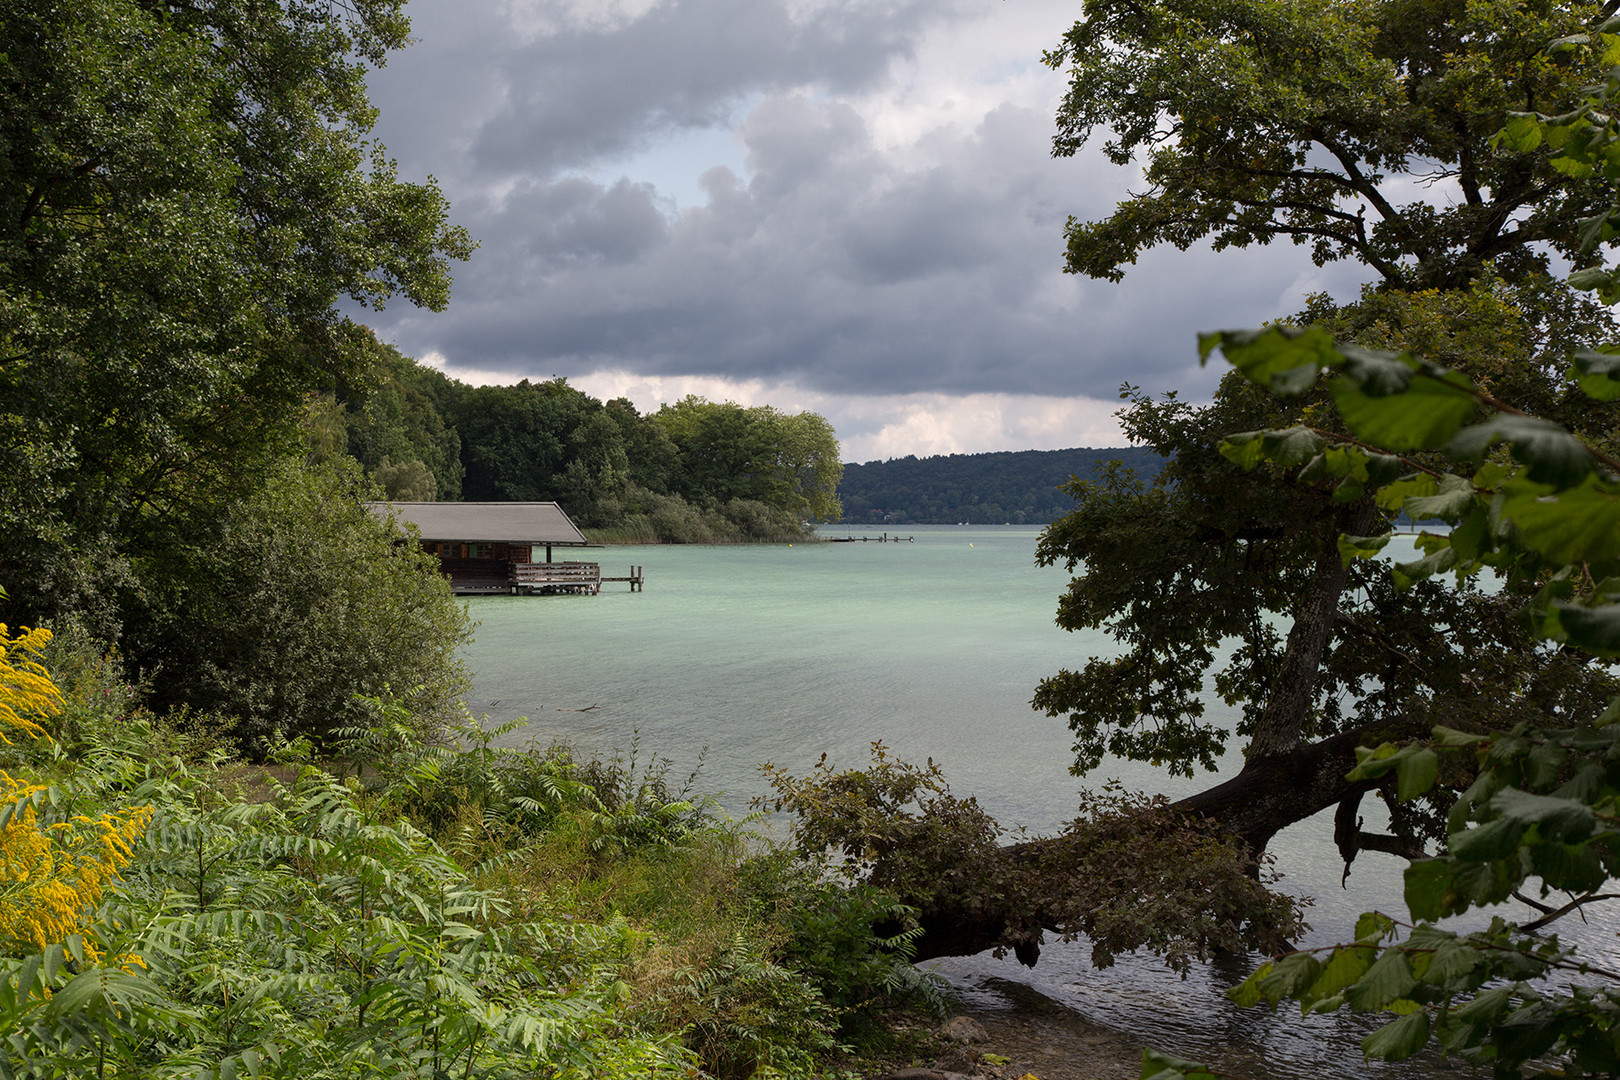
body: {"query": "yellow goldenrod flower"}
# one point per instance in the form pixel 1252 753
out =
pixel 26 691
pixel 52 874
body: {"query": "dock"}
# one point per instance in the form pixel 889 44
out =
pixel 884 539
pixel 546 579
pixel 634 578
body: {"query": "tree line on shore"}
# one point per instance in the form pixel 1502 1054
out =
pixel 694 471
pixel 1023 487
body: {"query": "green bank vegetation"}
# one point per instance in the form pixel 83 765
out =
pixel 404 909
pixel 694 471
pixel 245 827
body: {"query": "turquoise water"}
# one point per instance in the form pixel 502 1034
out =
pixel 784 653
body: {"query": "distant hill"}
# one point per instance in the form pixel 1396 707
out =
pixel 1020 487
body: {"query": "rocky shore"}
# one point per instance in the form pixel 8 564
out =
pixel 1029 1035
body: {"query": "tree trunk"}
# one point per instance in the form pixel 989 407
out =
pixel 1284 779
pixel 1268 795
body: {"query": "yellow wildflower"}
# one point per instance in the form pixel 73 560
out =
pixel 26 691
pixel 51 875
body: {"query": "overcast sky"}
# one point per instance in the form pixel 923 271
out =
pixel 840 205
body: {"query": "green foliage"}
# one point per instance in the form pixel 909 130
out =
pixel 399 419
pixel 1316 121
pixel 746 1016
pixel 481 911
pixel 733 474
pixel 731 452
pixel 1128 873
pixel 178 219
pixel 1532 502
pixel 302 599
pixel 835 939
pixel 305 936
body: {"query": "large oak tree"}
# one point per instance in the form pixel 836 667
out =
pixel 1365 130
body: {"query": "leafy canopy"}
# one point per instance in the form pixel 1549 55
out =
pixel 1526 498
pixel 1316 120
pixel 186 192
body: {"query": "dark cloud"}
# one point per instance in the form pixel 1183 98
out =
pixel 579 94
pixel 843 265
pixel 575 221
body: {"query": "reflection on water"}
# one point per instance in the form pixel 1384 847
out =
pixel 783 653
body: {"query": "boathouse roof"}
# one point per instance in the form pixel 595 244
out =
pixel 489 522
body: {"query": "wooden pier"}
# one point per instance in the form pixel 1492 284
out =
pixel 884 539
pixel 635 578
pixel 539 579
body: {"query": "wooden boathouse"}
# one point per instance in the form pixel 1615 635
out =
pixel 492 548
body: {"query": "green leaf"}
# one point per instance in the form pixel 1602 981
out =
pixel 1373 762
pixel 1378 372
pixel 1595 629
pixel 1555 818
pixel 1283 359
pixel 1383 468
pixel 1347 964
pixel 1291 446
pixel 1452 498
pixel 1488 842
pixel 1593 277
pixel 1450 962
pixel 1399 1040
pixel 1581 524
pixel 1429 889
pixel 1574 868
pixel 1242 449
pixel 1373 926
pixel 1285 448
pixel 1247 993
pixel 1405 575
pixel 1422 412
pixel 1290 976
pixel 1425 417
pixel 1471 535
pixel 1415 773
pixel 1388 979
pixel 1521 133
pixel 1550 453
pixel 1394 496
pixel 1598 373
pixel 1352 548
pixel 1157 1066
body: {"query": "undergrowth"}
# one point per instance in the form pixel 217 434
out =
pixel 388 905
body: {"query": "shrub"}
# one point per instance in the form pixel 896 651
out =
pixel 303 599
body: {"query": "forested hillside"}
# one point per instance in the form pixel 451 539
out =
pixel 695 471
pixel 1021 487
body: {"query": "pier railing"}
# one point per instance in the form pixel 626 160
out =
pixel 576 577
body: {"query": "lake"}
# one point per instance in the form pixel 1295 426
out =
pixel 782 653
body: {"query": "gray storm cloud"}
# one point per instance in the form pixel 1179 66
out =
pixel 842 263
